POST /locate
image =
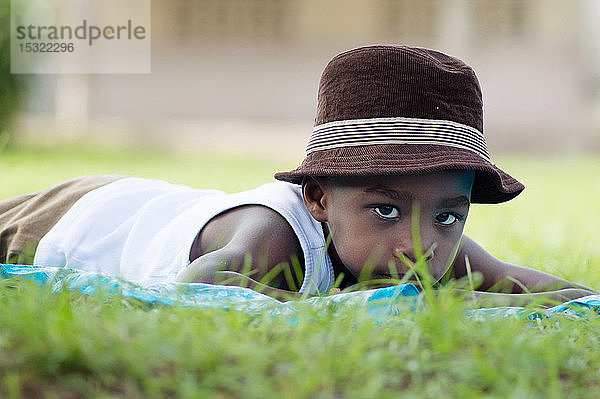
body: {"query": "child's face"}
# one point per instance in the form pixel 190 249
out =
pixel 370 218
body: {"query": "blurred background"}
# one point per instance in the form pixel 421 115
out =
pixel 242 75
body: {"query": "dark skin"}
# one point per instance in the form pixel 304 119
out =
pixel 370 222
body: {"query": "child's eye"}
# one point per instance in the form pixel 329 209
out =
pixel 387 211
pixel 446 219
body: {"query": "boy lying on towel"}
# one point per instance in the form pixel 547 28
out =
pixel 398 131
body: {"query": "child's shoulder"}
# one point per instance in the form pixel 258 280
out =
pixel 250 229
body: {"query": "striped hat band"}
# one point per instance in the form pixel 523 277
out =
pixel 396 130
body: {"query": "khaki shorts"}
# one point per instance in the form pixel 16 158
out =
pixel 25 219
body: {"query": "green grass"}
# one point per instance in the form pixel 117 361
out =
pixel 30 168
pixel 69 345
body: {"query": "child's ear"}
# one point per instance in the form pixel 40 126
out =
pixel 314 193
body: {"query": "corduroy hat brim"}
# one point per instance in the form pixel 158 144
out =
pixel 397 110
pixel 491 185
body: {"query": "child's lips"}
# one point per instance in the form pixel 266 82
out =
pixel 388 276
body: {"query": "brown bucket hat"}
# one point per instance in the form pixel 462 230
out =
pixel 394 110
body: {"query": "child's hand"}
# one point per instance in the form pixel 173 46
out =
pixel 549 298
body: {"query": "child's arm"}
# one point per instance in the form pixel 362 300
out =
pixel 548 298
pixel 258 249
pixel 498 275
pixel 206 269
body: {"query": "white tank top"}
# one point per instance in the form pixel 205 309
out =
pixel 143 229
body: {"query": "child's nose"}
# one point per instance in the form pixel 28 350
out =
pixel 410 253
pixel 407 248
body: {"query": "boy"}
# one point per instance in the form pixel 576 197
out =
pixel 395 127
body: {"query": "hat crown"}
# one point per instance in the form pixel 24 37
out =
pixel 399 81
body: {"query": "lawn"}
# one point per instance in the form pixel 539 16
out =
pixel 69 345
